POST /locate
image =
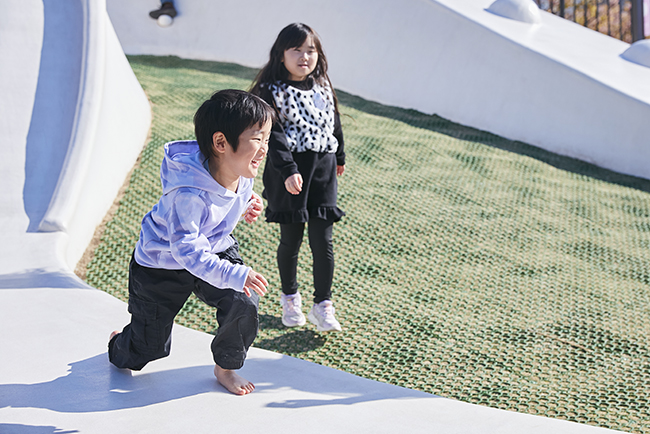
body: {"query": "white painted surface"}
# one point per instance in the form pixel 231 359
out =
pixel 525 11
pixel 75 119
pixel 121 133
pixel 639 52
pixel 555 85
pixel 90 56
pixel 62 379
pixel 36 117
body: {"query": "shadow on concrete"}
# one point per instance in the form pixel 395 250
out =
pixel 95 385
pixel 39 278
pixel 54 107
pixel 12 428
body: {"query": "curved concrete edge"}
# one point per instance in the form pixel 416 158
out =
pixel 125 120
pixel 111 124
pixel 525 11
pixel 555 85
pixel 66 195
pixel 639 53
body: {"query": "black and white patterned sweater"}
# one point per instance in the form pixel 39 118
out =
pixel 311 125
pixel 307 116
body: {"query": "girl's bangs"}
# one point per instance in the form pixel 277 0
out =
pixel 295 37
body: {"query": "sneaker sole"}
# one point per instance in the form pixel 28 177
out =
pixel 301 323
pixel 312 319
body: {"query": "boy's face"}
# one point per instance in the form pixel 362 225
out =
pixel 252 148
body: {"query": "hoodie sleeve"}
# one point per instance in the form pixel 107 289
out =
pixel 192 250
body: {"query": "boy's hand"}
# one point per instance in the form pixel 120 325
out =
pixel 293 184
pixel 256 282
pixel 254 210
pixel 340 170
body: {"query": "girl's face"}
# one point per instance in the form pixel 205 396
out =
pixel 301 61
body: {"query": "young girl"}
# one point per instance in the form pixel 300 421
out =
pixel 305 156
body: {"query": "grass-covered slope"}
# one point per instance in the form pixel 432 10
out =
pixel 468 265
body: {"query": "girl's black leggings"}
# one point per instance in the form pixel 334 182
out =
pixel 320 241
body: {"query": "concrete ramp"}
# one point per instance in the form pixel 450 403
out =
pixel 55 378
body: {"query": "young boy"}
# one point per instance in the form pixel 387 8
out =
pixel 186 244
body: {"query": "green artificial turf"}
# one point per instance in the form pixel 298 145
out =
pixel 468 266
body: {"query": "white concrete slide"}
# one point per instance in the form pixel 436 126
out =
pixel 77 120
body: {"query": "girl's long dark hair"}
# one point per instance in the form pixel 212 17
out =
pixel 294 35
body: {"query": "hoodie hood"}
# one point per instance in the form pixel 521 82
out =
pixel 183 166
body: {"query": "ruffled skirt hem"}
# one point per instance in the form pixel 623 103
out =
pixel 302 216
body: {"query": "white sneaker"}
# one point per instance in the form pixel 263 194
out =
pixel 322 316
pixel 292 315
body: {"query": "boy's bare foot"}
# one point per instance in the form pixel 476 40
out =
pixel 233 382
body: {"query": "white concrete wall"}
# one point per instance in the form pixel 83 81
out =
pixel 555 85
pixel 111 122
pixel 124 119
pixel 31 150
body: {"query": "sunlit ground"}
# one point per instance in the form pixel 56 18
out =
pixel 468 265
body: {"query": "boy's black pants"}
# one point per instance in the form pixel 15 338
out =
pixel 157 295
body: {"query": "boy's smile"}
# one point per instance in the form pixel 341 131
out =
pixel 251 150
pixel 301 61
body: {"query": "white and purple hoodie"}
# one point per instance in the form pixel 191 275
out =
pixel 193 220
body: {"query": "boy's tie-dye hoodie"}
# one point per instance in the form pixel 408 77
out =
pixel 193 220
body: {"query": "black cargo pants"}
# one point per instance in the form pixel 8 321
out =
pixel 157 295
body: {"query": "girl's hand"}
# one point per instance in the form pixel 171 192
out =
pixel 256 282
pixel 340 170
pixel 293 184
pixel 254 209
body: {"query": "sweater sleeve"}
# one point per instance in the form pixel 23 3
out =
pixel 338 134
pixel 279 154
pixel 192 250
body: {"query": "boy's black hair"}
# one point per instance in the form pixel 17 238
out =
pixel 231 112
